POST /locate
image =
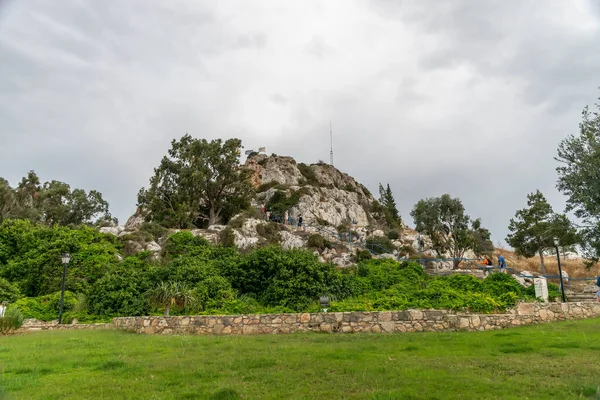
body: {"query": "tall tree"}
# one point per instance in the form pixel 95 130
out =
pixel 534 228
pixel 386 198
pixel 481 242
pixel 451 231
pixel 52 203
pixel 196 183
pixel 579 178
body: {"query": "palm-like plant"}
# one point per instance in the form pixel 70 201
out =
pixel 170 294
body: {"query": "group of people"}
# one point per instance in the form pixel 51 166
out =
pixel 487 261
pixel 286 220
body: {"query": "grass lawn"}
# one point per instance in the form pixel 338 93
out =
pixel 552 361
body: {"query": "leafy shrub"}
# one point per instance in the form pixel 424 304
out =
pixel 122 291
pixel 46 308
pixel 392 235
pixel 318 242
pixel 8 291
pixel 155 229
pixel 380 244
pixel 280 201
pixel 12 320
pixel 308 174
pixel 362 255
pixel 186 243
pixel 270 231
pixel 227 237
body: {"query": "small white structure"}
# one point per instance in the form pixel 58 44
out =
pixel 541 288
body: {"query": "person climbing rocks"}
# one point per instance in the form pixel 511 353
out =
pixel 300 223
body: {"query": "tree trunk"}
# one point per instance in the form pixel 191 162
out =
pixel 167 307
pixel 542 262
pixel 212 216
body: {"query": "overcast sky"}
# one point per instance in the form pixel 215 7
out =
pixel 466 97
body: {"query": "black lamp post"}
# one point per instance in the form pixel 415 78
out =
pixel 65 260
pixel 562 286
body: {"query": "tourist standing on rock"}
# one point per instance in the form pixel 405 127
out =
pixel 300 222
pixel 501 263
pixel 2 309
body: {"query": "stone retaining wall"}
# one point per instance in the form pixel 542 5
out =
pixel 33 325
pixel 347 322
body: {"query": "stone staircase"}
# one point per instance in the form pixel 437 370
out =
pixel 579 297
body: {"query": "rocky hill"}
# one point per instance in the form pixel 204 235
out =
pixel 332 204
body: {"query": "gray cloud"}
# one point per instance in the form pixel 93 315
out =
pixel 464 97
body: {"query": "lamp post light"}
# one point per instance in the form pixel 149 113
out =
pixel 324 301
pixel 66 257
pixel 562 286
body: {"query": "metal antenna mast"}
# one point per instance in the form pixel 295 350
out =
pixel 331 141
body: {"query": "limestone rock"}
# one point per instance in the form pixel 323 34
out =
pixel 216 228
pixel 591 289
pixel 135 221
pixel 153 247
pixel 243 242
pixel 279 169
pixel 291 241
pixel 112 230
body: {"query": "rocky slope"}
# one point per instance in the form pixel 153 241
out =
pixel 329 201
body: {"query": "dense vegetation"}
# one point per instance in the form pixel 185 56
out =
pixel 199 183
pixel 51 203
pixel 193 276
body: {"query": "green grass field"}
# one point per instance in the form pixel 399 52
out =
pixel 552 361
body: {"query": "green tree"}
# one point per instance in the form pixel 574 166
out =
pixel 170 294
pixel 579 179
pixel 386 198
pixel 450 230
pixel 8 200
pixel 481 242
pixel 198 182
pixel 59 205
pixel 52 203
pixel 534 228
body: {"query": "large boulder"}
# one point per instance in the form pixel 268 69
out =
pixel 291 241
pixel 112 230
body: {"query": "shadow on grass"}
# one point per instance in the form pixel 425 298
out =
pixel 226 394
pixel 515 348
pixel 111 365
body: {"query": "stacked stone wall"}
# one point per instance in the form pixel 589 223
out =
pixel 349 322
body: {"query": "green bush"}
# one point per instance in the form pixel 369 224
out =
pixel 154 229
pixel 185 243
pixel 380 244
pixel 392 235
pixel 270 232
pixel 362 255
pixel 227 237
pixel 12 320
pixel 308 174
pixel 280 202
pixel 46 308
pixel 8 291
pixel 317 241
